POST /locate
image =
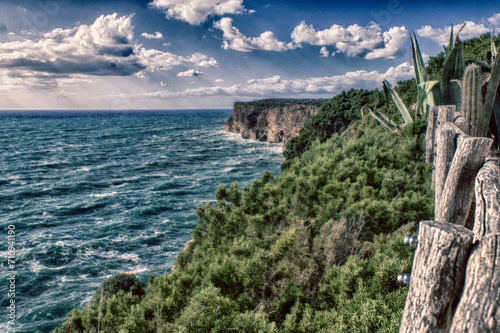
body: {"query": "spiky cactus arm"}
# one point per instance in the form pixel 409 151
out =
pixel 472 106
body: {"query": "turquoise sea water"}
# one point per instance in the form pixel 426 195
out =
pixel 94 193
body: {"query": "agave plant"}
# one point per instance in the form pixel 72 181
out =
pixel 452 89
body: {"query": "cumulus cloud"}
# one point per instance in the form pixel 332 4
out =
pixel 369 42
pixel 156 60
pixel 190 73
pixel 104 48
pixel 234 39
pixel 324 52
pixel 156 35
pixel 441 35
pixel 276 86
pixel 495 20
pixel 196 12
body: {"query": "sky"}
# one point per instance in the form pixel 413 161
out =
pixel 208 54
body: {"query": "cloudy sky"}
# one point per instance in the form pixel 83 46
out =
pixel 177 54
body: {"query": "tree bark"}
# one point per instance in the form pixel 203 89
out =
pixel 454 202
pixel 487 219
pixel 437 277
pixel 479 307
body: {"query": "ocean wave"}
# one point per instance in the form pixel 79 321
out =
pixel 125 202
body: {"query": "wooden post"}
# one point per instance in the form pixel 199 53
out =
pixel 453 205
pixel 430 135
pixel 438 115
pixel 479 307
pixel 446 145
pixel 487 218
pixel 460 122
pixel 437 277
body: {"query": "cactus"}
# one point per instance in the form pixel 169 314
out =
pixel 472 106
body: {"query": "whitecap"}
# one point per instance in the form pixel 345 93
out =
pixel 35 266
pixel 103 195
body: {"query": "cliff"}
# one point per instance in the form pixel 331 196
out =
pixel 273 120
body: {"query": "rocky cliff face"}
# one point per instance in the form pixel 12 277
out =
pixel 271 120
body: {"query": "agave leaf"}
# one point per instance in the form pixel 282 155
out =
pixel 453 69
pixel 429 94
pixel 399 103
pixel 421 105
pixel 383 119
pixel 418 61
pixel 491 93
pixel 494 51
pixel 461 28
pixel 448 49
pixel 432 93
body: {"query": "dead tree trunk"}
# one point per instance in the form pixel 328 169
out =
pixel 487 219
pixel 437 277
pixel 453 204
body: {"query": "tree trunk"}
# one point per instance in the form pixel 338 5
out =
pixel 479 307
pixel 437 277
pixel 487 219
pixel 453 204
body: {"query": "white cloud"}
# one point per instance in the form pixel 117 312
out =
pixel 276 86
pixel 156 60
pixel 394 44
pixel 219 81
pixel 104 48
pixel 156 35
pixel 442 35
pixel 370 42
pixel 196 12
pixel 190 73
pixel 495 20
pixel 234 39
pixel 324 52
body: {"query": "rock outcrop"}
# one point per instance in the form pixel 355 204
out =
pixel 273 120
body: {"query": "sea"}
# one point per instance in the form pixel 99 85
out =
pixel 88 194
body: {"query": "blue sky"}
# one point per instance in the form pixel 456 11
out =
pixel 175 54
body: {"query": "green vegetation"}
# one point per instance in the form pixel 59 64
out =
pixel 335 115
pixel 270 103
pixel 302 252
pixel 315 249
